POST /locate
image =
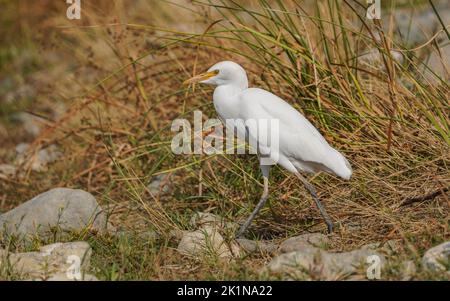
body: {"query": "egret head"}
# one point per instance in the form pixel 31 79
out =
pixel 223 73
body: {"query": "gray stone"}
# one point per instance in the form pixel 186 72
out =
pixel 31 124
pixel 21 148
pixel 437 65
pixel 346 264
pixel 61 208
pixel 7 170
pixel 207 241
pixel 201 219
pixel 176 234
pixel 160 185
pixel 389 248
pixel 297 264
pixel 63 277
pixel 437 259
pixel 42 158
pixel 304 241
pixel 415 27
pixel 372 58
pixel 71 259
pixel 252 246
pixel 314 263
pixel 23 91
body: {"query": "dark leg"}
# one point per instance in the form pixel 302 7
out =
pixel 322 210
pixel 261 203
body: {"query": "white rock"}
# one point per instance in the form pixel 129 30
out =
pixel 31 124
pixel 437 259
pixel 160 185
pixel 314 263
pixel 437 66
pixel 389 247
pixel 39 161
pixel 21 148
pixel 338 265
pixel 298 264
pixel 7 170
pixel 61 208
pixel 21 92
pixel 201 219
pixel 252 246
pixel 71 259
pixel 415 27
pixel 206 241
pixel 374 59
pixel 63 277
pixel 301 242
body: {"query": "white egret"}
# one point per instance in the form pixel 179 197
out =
pixel 301 148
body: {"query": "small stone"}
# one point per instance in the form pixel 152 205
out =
pixel 437 259
pixel 252 246
pixel 314 263
pixel 71 259
pixel 415 27
pixel 62 209
pixel 21 148
pixel 39 161
pixel 391 247
pixel 48 249
pixel 373 58
pixel 201 219
pixel 7 170
pixel 437 66
pixel 205 241
pixel 347 264
pixel 160 185
pixel 297 264
pixel 63 277
pixel 25 91
pixel 301 242
pixel 31 124
pixel 176 234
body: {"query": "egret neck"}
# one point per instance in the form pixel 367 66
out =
pixel 226 99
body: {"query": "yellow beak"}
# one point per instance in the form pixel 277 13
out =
pixel 201 77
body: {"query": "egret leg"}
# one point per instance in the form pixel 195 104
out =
pixel 261 203
pixel 322 210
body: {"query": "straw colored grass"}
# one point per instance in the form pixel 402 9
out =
pixel 124 89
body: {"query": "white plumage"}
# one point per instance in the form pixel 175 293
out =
pixel 301 147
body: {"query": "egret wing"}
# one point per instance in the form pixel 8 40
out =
pixel 298 138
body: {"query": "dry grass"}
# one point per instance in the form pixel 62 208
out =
pixel 121 85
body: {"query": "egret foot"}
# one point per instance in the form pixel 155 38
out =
pixel 249 220
pixel 322 210
pixel 258 207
